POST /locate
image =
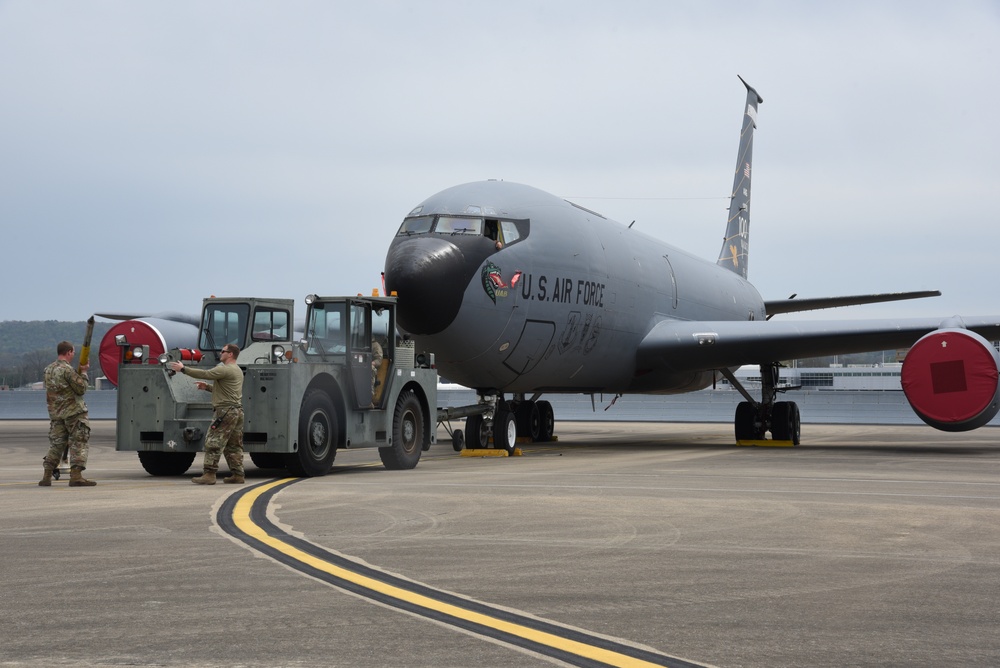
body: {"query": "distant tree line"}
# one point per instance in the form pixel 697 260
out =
pixel 27 347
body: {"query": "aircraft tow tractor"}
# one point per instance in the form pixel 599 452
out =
pixel 305 395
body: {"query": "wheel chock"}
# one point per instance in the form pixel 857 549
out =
pixel 489 452
pixel 767 443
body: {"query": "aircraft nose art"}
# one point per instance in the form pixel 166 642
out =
pixel 423 273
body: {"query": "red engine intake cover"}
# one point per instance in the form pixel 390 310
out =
pixel 951 377
pixel 160 335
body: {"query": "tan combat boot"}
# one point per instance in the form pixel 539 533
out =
pixel 234 479
pixel 46 480
pixel 76 478
pixel 206 478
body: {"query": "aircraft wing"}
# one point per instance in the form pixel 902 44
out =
pixel 793 305
pixel 173 316
pixel 703 345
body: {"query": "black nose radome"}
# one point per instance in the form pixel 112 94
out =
pixel 429 275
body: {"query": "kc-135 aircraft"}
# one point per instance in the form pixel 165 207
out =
pixel 519 294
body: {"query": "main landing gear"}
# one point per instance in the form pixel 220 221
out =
pixel 500 422
pixel 755 418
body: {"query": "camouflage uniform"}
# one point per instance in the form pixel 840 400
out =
pixel 226 438
pixel 376 361
pixel 64 389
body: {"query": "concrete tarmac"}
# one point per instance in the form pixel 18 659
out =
pixel 864 546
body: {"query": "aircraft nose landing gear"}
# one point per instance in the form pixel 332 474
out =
pixel 497 422
pixel 501 427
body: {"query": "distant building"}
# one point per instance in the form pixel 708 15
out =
pixel 882 378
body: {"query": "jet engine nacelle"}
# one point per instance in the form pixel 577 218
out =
pixel 951 377
pixel 160 335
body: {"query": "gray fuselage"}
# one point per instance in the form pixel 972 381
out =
pixel 561 307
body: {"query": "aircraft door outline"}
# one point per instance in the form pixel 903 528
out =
pixel 536 335
pixel 673 282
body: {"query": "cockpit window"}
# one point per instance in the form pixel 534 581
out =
pixel 224 323
pixel 509 231
pixel 327 330
pixel 418 225
pixel 270 324
pixel 450 225
pixel 505 232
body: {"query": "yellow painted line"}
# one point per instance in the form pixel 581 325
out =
pixel 242 520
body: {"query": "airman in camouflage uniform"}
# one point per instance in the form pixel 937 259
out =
pixel 225 437
pixel 376 362
pixel 70 423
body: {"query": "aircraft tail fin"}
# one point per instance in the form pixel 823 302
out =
pixel 736 244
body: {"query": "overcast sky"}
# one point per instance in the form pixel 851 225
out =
pixel 155 153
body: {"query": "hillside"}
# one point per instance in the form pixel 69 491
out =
pixel 27 347
pixel 18 336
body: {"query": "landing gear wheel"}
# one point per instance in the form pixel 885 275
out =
pixel 457 440
pixel 747 423
pixel 408 434
pixel 505 431
pixel 529 421
pixel 163 463
pixel 477 432
pixel 546 421
pixel 785 422
pixel 319 433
